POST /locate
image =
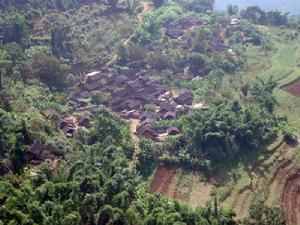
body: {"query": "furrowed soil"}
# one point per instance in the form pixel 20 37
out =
pixel 293 88
pixel 272 175
pixel 175 183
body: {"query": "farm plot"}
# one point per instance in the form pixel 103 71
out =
pixel 178 184
pixel 293 88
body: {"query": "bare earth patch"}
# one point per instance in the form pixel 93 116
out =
pixel 293 88
pixel 174 182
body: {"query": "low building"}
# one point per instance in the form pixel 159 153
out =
pixel 147 132
pixel 173 131
pixel 49 113
pixel 169 115
pixel 83 121
pixel 185 98
pixel 37 153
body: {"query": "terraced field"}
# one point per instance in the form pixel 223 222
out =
pixel 278 169
pixel 174 182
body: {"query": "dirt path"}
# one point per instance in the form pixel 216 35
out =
pixel 186 74
pixel 243 202
pixel 146 7
pixel 133 128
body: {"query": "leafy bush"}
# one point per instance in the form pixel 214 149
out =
pixel 159 61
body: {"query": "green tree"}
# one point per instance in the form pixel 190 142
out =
pixel 4 63
pixel 49 70
pixel 159 61
pixel 199 63
pixel 232 10
pixel 60 38
pixel 263 93
pixel 255 14
pixel 16 29
pixel 261 214
pixel 18 154
pixel 14 51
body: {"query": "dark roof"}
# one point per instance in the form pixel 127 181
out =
pixel 166 106
pixel 84 94
pixel 185 98
pixel 91 109
pixel 82 120
pixel 49 112
pixel 169 115
pixel 93 86
pixel 147 131
pixel 134 84
pixel 93 78
pixel 137 64
pixel 61 123
pixel 68 130
pixel 121 79
pixel 123 93
pixel 38 151
pixel 173 131
pixel 150 115
pixel 133 104
pixel 114 101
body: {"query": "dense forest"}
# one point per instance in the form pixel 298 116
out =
pixel 95 95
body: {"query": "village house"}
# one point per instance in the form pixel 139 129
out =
pixel 37 153
pixel 173 131
pixel 90 109
pixel 149 116
pixel 169 115
pixel 166 107
pixel 134 85
pixel 92 77
pixel 147 132
pixel 92 86
pixel 68 131
pixel 121 79
pixel 184 98
pixel 83 121
pixel 49 113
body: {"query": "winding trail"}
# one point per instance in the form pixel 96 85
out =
pixel 243 202
pixel 140 16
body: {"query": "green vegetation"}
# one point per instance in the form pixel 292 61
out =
pixel 92 167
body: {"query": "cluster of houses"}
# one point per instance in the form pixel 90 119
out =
pixel 134 95
pixel 39 152
pixel 178 27
pixel 68 124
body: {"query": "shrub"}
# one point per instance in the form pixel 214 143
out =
pixel 159 61
pixel 199 63
pixel 46 68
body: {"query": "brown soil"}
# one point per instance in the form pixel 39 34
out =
pixel 146 7
pixel 290 199
pixel 173 182
pixel 243 202
pixel 293 88
pixel 162 179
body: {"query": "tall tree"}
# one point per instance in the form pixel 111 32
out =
pixel 16 29
pixel 255 14
pixel 4 62
pixel 232 10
